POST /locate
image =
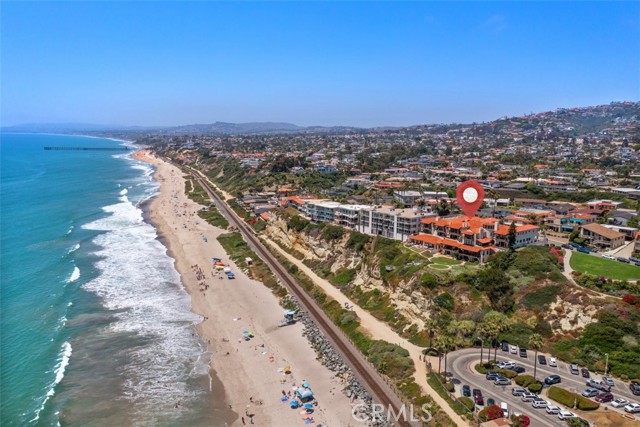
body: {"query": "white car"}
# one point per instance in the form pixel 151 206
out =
pixel 539 403
pixel 513 349
pixel 507 365
pixel 619 403
pixel 632 408
pixel 563 415
pixel 607 256
pixel 553 410
pixel 553 362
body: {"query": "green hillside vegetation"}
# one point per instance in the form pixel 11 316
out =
pixel 617 333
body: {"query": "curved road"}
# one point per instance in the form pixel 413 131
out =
pixel 368 377
pixel 463 361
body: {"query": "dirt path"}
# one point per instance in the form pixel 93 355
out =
pixel 379 330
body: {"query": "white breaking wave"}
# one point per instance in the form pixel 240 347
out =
pixel 61 366
pixel 138 282
pixel 123 192
pixel 73 248
pixel 69 230
pixel 75 275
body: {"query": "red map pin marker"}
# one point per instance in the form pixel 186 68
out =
pixel 470 195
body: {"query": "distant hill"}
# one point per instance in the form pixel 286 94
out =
pixel 563 120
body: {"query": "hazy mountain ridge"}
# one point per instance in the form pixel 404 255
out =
pixel 592 118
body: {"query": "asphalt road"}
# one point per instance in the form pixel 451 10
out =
pixel 461 363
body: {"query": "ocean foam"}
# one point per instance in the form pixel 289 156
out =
pixel 61 366
pixel 69 231
pixel 75 275
pixel 123 192
pixel 138 282
pixel 73 248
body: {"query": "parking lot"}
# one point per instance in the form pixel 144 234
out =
pixel 461 367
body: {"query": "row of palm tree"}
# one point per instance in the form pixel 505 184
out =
pixel 461 333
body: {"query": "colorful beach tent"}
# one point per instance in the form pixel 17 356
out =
pixel 305 394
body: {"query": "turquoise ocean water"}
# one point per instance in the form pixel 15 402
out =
pixel 96 328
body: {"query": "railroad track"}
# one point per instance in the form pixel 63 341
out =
pixel 380 391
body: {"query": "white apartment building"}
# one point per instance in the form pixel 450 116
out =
pixel 389 222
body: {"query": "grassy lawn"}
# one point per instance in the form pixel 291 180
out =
pixel 604 267
pixel 446 261
pixel 439 266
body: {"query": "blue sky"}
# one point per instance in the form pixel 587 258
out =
pixel 342 63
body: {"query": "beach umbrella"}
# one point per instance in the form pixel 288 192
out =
pixel 305 384
pixel 308 406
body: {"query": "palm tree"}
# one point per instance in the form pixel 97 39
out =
pixel 535 342
pixel 444 343
pixel 497 322
pixel 430 326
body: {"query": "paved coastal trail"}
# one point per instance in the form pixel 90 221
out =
pixel 378 330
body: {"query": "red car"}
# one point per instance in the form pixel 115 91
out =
pixel 604 397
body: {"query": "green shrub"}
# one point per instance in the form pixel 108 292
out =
pixel 445 300
pixel 429 281
pixel 298 223
pixel 332 232
pixel 467 402
pixel 483 368
pixel 357 240
pixel 507 373
pixel 562 396
pixel 524 380
pixel 585 404
pixel 535 387
pixel 343 276
pixel 450 387
pixel 541 297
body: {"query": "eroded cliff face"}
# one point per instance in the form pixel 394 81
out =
pixel 335 256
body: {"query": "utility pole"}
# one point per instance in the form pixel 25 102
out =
pixel 606 364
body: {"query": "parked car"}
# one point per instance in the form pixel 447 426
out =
pixel 491 375
pixel 552 379
pixel 619 403
pixel 597 384
pixel 539 402
pixel 632 408
pixel 477 397
pixel 502 381
pixel 523 352
pixel 608 381
pixel 585 373
pixel 491 402
pixel 634 259
pixel 567 246
pixel 553 362
pixel 584 250
pixel 574 369
pixel 635 388
pixel 590 392
pixel 621 259
pixel 505 409
pixel 513 349
pixel 527 396
pixel 553 410
pixel 518 369
pixel 504 346
pixel 466 390
pixel 542 360
pixel 604 397
pixel 607 256
pixel 518 391
pixel 565 415
pixel 507 365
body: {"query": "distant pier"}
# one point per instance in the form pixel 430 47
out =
pixel 87 148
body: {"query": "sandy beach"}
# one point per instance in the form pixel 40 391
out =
pixel 252 372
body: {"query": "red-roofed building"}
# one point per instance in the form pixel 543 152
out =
pixel 525 235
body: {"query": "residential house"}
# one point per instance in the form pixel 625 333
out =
pixel 601 237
